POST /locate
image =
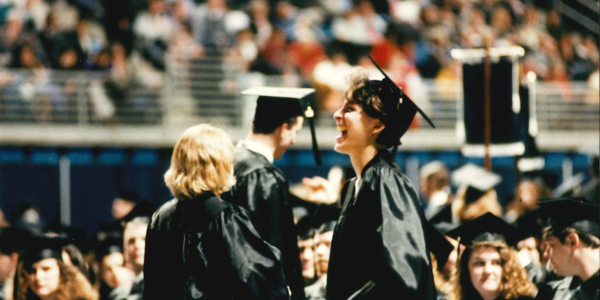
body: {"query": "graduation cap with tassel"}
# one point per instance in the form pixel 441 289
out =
pixel 400 108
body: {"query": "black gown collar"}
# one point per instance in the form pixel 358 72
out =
pixel 381 156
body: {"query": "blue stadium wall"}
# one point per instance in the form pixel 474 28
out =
pixel 31 174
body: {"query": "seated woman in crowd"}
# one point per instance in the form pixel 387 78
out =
pixel 199 245
pixel 489 268
pixel 43 274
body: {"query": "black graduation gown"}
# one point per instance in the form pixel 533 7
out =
pixel 206 248
pixel 378 249
pixel 571 288
pixel 263 190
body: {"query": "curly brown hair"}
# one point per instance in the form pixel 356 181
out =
pixel 363 92
pixel 515 281
pixel 73 284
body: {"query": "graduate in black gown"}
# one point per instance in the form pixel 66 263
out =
pixel 572 238
pixel 379 249
pixel 199 246
pixel 261 187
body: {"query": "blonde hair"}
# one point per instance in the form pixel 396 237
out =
pixel 202 162
pixel 515 281
pixel 73 284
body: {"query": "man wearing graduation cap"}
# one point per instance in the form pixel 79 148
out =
pixel 261 187
pixel 573 247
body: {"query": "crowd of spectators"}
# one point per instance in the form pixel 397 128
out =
pixel 317 40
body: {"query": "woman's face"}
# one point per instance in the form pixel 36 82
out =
pixel 355 128
pixel 44 278
pixel 485 268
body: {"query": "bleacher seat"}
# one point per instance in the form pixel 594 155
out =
pixel 80 156
pixel 144 157
pixel 44 156
pixel 112 157
pixel 12 155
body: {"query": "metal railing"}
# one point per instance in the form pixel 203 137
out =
pixel 207 90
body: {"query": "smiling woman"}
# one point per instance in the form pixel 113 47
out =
pixel 378 249
pixel 42 274
pixel 488 268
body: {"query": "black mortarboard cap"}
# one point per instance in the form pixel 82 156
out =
pixel 129 196
pixel 572 212
pixel 486 228
pixel 531 223
pixel 13 239
pixel 276 105
pixel 43 247
pixel 443 215
pixel 144 209
pixel 476 179
pixel 438 245
pixel 112 244
pixel 399 107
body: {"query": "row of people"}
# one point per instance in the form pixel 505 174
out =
pixel 222 238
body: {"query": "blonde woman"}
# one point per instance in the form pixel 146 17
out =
pixel 42 274
pixel 199 246
pixel 488 267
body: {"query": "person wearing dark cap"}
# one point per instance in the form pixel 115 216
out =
pixel 261 187
pixel 199 246
pixel 323 237
pixel 379 248
pixel 488 267
pixel 443 258
pixel 476 194
pixel 12 242
pixel 123 204
pixel 43 275
pixel 111 261
pixel 134 246
pixel 572 238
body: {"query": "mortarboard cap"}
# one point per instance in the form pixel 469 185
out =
pixel 531 223
pixel 144 209
pixel 399 107
pixel 569 187
pixel 486 228
pixel 476 179
pixel 13 239
pixel 112 244
pixel 572 212
pixel 129 196
pixel 276 105
pixel 431 168
pixel 438 245
pixel 43 247
pixel 442 216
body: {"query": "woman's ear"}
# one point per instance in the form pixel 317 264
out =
pixel 378 128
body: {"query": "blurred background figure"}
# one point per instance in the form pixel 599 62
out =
pixel 12 243
pixel 123 204
pixel 476 195
pixel 111 266
pixel 134 249
pixel 435 187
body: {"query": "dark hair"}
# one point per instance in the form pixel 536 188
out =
pixel 363 93
pixel 264 128
pixel 561 235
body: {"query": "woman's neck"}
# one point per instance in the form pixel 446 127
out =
pixel 361 159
